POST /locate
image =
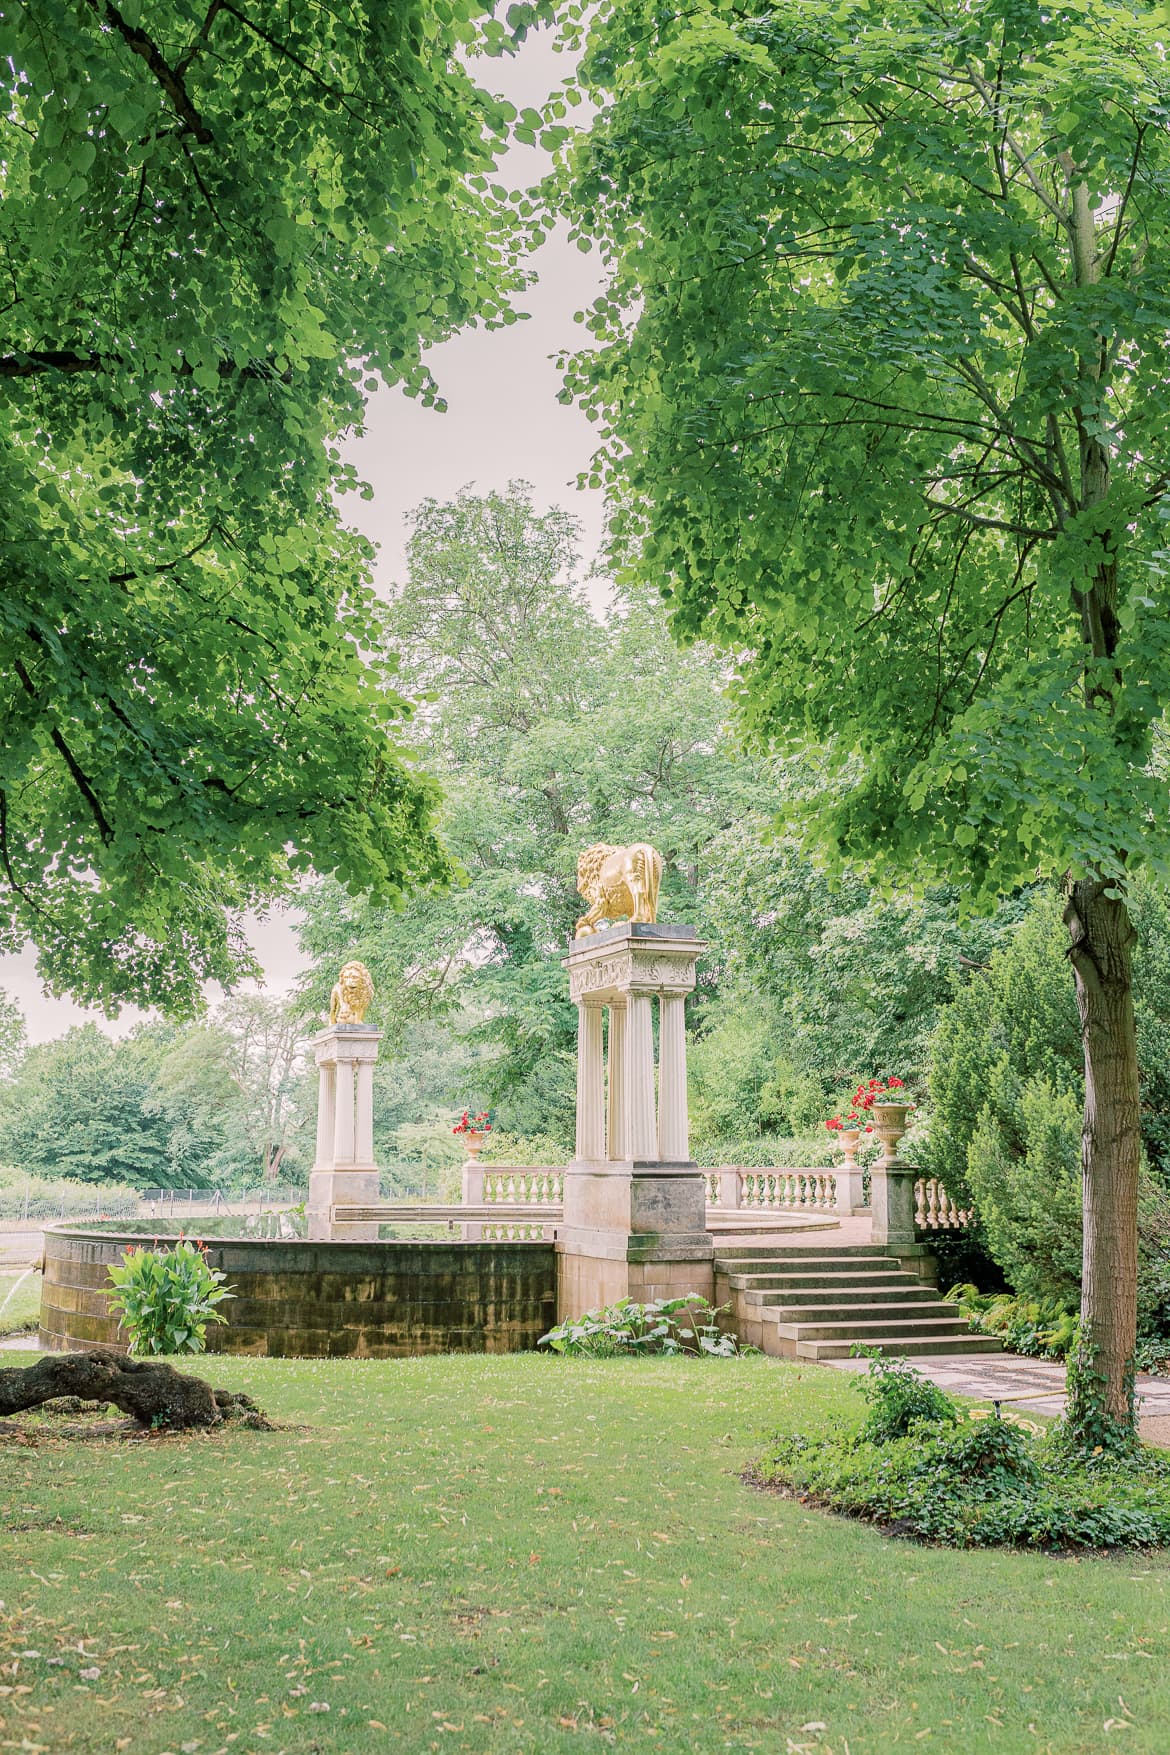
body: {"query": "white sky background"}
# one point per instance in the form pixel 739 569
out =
pixel 503 422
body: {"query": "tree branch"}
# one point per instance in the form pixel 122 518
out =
pixel 171 81
pixel 39 362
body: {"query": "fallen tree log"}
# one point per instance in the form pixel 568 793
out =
pixel 149 1390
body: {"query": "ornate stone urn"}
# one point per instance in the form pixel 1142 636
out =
pixel 889 1120
pixel 473 1141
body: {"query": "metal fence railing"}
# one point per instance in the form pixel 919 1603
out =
pixel 35 1202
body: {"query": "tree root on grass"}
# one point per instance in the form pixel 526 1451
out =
pixel 153 1393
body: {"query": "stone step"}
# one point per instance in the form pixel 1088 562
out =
pixel 881 1321
pixel 809 1264
pixel 900 1346
pixel 791 1251
pixel 824 1282
pixel 847 1298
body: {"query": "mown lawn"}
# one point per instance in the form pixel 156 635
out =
pixel 526 1554
pixel 20 1311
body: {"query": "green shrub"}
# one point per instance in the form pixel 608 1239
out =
pixel 1006 1089
pixel 1024 1173
pixel 166 1298
pixel 899 1399
pixel 766 1151
pixel 973 1480
pixel 669 1325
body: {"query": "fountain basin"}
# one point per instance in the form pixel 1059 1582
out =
pixel 297 1298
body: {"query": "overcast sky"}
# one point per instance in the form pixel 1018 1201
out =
pixel 503 422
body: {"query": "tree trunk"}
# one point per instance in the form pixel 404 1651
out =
pixel 150 1390
pixel 1100 1379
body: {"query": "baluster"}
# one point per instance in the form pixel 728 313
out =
pixel 920 1204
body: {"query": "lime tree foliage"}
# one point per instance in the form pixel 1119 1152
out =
pixel 549 727
pixel 221 224
pixel 552 722
pixel 12 1035
pixel 222 1103
pixel 882 375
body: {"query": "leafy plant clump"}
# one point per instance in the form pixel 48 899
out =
pixel 166 1298
pixel 1043 1328
pixel 922 1467
pixel 665 1326
pixel 899 1399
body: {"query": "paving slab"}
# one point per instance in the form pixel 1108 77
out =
pixel 1033 1385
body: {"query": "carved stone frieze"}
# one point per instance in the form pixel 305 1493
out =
pixel 639 972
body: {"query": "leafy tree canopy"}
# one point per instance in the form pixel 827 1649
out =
pixel 882 372
pixel 220 225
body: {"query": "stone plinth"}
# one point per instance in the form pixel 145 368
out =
pixel 892 1199
pixel 634 1217
pixel 344 1172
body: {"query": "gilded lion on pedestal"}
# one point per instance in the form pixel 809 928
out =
pixel 619 883
pixel 350 999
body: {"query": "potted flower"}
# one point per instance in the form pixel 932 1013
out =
pixel 849 1128
pixel 473 1129
pixel 887 1102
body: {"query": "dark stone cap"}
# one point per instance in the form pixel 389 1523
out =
pixel 646 931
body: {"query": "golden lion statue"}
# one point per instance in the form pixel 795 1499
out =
pixel 619 883
pixel 350 999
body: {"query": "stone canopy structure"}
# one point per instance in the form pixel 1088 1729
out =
pixel 634 1222
pixel 344 1170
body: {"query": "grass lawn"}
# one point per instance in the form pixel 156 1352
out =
pixel 526 1554
pixel 22 1312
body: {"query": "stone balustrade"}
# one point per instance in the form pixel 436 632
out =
pixel 729 1188
pixel 732 1189
pixel 513 1184
pixel 934 1210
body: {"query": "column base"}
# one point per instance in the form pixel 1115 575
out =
pixel 632 1229
pixel 590 1274
pixel 351 1187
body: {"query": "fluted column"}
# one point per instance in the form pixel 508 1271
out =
pixel 343 1136
pixel 326 1106
pixel 590 1084
pixel 673 1144
pixel 364 1142
pixel 642 1140
pixel 617 1129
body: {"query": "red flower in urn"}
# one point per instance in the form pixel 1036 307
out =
pixel 468 1123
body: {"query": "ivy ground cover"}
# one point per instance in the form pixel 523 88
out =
pixel 532 1554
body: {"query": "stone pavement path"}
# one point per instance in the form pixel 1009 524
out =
pixel 1033 1385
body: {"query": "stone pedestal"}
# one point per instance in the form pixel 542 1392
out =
pixel 344 1172
pixel 635 1202
pixel 892 1200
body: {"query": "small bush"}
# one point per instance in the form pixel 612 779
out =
pixel 970 1480
pixel 167 1297
pixel 668 1326
pixel 899 1399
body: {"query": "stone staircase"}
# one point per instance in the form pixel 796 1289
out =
pixel 819 1303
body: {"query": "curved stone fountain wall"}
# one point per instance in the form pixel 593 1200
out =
pixel 298 1299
